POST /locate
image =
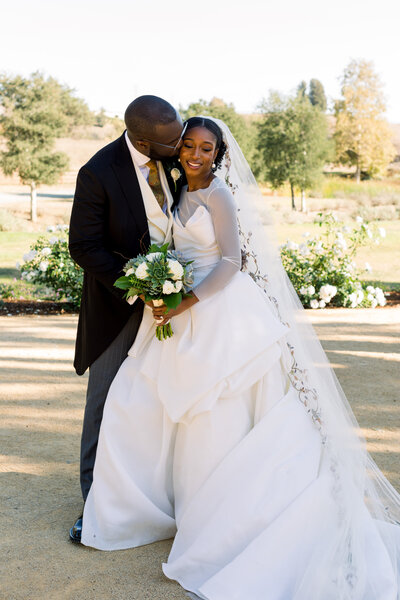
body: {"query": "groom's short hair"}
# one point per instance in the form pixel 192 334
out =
pixel 145 113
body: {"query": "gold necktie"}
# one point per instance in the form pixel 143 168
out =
pixel 155 183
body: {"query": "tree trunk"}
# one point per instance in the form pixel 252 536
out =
pixel 358 173
pixel 33 202
pixel 303 201
pixel 292 192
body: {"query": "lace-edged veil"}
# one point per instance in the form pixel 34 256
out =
pixel 354 472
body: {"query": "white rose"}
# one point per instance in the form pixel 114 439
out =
pixel 43 265
pixel 374 303
pixel 29 255
pixel 360 296
pixel 45 251
pixel 53 240
pixel 18 265
pixel 321 304
pixel 154 256
pixel 332 290
pixel 314 303
pixel 327 292
pixel 318 248
pixel 304 250
pixel 382 232
pixel 359 219
pixel 380 296
pixel 370 289
pixel 370 297
pixel 178 286
pixel 168 287
pixel 310 290
pixel 303 291
pixel 61 265
pixel 368 267
pixel 291 245
pixel 129 272
pixel 176 269
pixel 341 243
pixel 51 228
pixel 141 271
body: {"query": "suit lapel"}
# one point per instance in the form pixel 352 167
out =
pixel 126 175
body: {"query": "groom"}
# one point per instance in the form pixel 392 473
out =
pixel 122 203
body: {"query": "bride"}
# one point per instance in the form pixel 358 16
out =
pixel 234 435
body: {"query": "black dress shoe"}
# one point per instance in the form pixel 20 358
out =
pixel 75 533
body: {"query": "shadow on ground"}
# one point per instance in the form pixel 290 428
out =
pixel 41 407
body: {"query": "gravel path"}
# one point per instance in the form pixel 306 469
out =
pixel 42 401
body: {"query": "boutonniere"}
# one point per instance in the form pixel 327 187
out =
pixel 175 175
pixel 173 168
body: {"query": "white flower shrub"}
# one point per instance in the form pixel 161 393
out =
pixel 322 268
pixel 49 262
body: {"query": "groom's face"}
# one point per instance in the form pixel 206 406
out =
pixel 164 141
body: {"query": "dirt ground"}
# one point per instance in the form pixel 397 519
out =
pixel 42 403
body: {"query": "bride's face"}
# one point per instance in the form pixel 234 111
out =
pixel 198 152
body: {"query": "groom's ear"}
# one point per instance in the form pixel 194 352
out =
pixel 143 146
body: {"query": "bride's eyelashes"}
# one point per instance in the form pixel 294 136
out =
pixel 189 146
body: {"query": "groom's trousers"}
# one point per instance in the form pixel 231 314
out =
pixel 101 374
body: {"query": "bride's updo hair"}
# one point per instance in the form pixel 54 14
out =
pixel 215 130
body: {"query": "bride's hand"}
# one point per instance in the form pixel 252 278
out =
pixel 161 315
pixel 148 302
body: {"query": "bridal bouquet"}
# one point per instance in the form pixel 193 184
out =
pixel 161 275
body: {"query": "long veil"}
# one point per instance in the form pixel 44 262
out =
pixel 357 481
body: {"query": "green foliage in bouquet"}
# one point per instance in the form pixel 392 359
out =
pixel 162 276
pixel 322 269
pixel 49 263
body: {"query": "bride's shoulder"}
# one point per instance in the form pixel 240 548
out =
pixel 219 191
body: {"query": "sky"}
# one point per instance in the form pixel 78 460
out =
pixel 111 51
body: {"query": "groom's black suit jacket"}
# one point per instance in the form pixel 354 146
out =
pixel 108 226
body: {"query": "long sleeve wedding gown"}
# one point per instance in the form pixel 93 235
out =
pixel 205 439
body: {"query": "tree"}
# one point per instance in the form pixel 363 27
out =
pixel 302 89
pixel 243 130
pixel 293 143
pixel 363 137
pixel 35 111
pixel 317 95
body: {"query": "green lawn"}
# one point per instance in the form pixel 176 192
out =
pixel 12 247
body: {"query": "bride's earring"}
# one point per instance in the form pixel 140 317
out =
pixel 213 166
pixel 179 160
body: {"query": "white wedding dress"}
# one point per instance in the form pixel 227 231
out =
pixel 205 439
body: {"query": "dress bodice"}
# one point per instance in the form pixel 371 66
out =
pixel 205 230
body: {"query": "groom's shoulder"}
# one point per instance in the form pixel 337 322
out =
pixel 106 155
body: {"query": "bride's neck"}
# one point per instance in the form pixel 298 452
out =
pixel 194 183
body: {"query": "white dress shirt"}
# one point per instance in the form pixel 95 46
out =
pixel 138 158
